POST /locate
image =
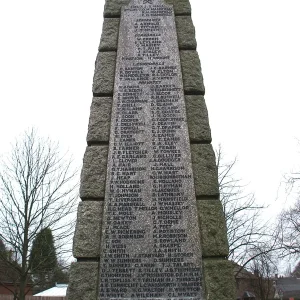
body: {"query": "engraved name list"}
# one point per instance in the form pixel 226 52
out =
pixel 150 240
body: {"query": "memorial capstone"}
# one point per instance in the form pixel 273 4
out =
pixel 150 239
pixel 150 224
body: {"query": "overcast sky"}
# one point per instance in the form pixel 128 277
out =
pixel 249 52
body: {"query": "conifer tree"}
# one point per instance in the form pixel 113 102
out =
pixel 43 260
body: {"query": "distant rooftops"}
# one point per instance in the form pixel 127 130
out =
pixel 289 287
pixel 60 290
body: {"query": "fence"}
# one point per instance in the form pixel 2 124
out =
pixel 10 297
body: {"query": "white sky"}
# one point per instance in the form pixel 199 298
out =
pixel 250 57
pixel 250 54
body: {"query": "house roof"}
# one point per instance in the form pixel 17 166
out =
pixel 289 286
pixel 60 290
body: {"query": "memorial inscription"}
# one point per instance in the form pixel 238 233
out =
pixel 150 240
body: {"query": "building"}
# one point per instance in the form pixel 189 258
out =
pixel 252 286
pixel 9 280
pixel 287 288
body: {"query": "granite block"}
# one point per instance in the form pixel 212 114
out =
pixel 93 174
pixel 185 33
pixel 100 118
pixel 83 281
pixel 112 8
pixel 86 241
pixel 110 33
pixel 204 170
pixel 219 281
pixel 198 123
pixel 197 117
pixel 191 72
pixel 212 228
pixel 184 27
pixel 181 7
pixel 104 75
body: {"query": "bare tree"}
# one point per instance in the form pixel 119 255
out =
pixel 264 268
pixel 289 225
pixel 247 232
pixel 289 219
pixel 37 190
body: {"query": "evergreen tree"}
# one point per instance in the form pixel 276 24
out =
pixel 43 260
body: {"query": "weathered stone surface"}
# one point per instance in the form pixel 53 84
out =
pixel 184 27
pixel 112 8
pixel 93 174
pixel 219 281
pixel 212 228
pixel 109 37
pixel 86 241
pixel 99 123
pixel 197 116
pixel 185 33
pixel 191 72
pixel 104 73
pixel 204 170
pixel 181 7
pixel 83 281
pixel 100 117
pixel 149 174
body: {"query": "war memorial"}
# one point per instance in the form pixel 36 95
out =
pixel 150 224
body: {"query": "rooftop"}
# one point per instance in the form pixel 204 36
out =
pixel 60 290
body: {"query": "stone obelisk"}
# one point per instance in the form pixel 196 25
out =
pixel 150 224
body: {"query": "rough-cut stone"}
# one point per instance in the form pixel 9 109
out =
pixel 191 72
pixel 104 73
pixel 212 228
pixel 185 33
pixel 99 123
pixel 112 8
pixel 100 118
pixel 197 116
pixel 83 281
pixel 86 241
pixel 181 7
pixel 109 37
pixel 204 170
pixel 93 174
pixel 219 281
